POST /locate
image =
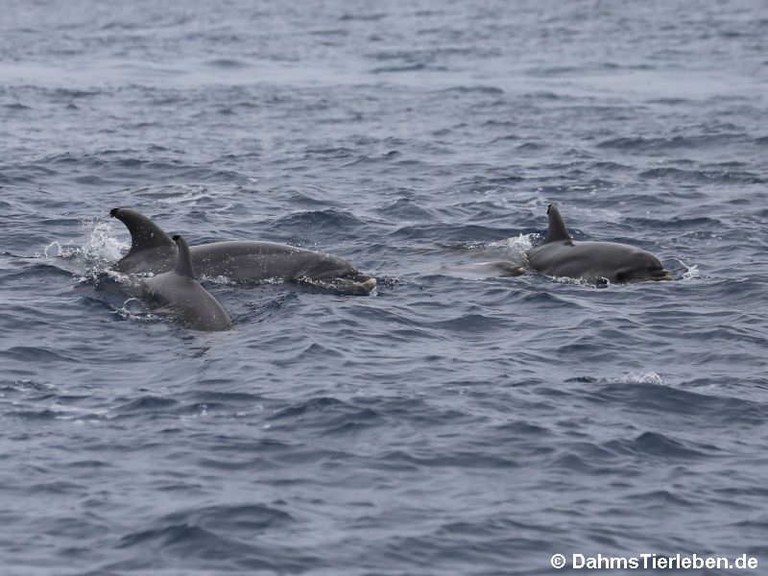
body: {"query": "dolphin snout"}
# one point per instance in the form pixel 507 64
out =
pixel 661 274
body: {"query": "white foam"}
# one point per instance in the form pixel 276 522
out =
pixel 220 279
pixel 516 245
pixel 54 250
pixel 691 271
pixel 101 244
pixel 641 378
pixel 133 309
pixel 99 250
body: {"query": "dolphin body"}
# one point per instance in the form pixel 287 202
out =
pixel 240 261
pixel 179 295
pixel 597 262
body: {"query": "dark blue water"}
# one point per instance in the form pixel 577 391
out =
pixel 452 423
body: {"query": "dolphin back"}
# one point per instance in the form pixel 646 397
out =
pixel 152 250
pixel 145 234
pixel 183 260
pixel 246 261
pixel 561 256
pixel 178 294
pixel 556 230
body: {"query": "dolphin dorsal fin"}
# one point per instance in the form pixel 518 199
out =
pixel 183 259
pixel 556 231
pixel 144 233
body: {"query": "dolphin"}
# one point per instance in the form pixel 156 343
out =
pixel 560 255
pixel 240 261
pixel 178 294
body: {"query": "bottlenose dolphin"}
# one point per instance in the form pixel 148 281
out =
pixel 179 295
pixel 560 255
pixel 240 261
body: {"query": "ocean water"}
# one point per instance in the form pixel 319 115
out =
pixel 453 422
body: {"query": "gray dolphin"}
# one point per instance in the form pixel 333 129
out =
pixel 179 295
pixel 560 255
pixel 240 261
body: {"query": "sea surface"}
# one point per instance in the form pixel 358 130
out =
pixel 452 423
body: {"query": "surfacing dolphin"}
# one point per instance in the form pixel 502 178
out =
pixel 177 294
pixel 560 255
pixel 240 261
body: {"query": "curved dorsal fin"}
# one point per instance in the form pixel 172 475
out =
pixel 183 259
pixel 144 233
pixel 556 231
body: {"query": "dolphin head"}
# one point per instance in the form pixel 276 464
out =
pixel 640 266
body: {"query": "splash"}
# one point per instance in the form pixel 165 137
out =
pixel 100 245
pixel 99 250
pixel 96 254
pixel 691 271
pixel 133 309
pixel 516 246
pixel 651 377
pixel 600 283
pixel 640 378
pixel 56 250
pixel 220 279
